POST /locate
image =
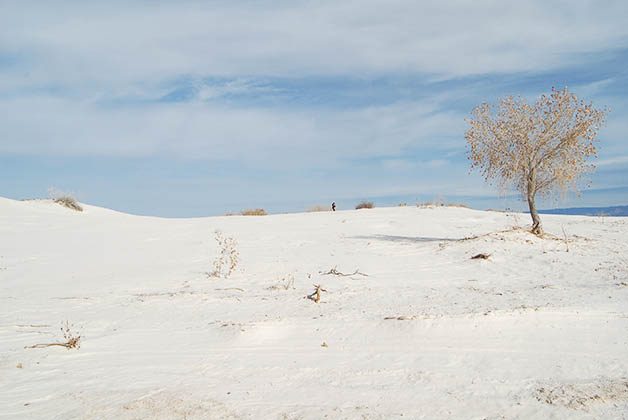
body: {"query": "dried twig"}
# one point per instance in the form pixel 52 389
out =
pixel 565 234
pixel 73 342
pixel 316 296
pixel 481 256
pixel 338 273
pixel 400 318
pixel 232 288
pixel 69 345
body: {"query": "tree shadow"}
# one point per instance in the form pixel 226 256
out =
pixel 406 239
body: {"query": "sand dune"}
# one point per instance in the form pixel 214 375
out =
pixel 422 331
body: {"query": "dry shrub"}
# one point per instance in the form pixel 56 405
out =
pixel 318 207
pixel 436 203
pixel 63 198
pixel 228 256
pixel 69 202
pixel 253 212
pixel 464 206
pixel 72 340
pixel 316 295
pixel 364 205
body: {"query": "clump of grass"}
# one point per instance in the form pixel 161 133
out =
pixel 430 204
pixel 69 202
pixel 438 202
pixel 364 205
pixel 253 212
pixel 318 207
pixel 464 206
pixel 65 199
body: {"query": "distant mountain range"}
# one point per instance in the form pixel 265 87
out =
pixel 591 211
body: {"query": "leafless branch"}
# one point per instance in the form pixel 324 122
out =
pixel 73 342
pixel 335 272
pixel 316 296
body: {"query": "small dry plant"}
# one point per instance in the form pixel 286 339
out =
pixel 72 340
pixel 464 206
pixel 285 283
pixel 317 208
pixel 228 257
pixel 253 212
pixel 316 295
pixel 65 199
pixel 364 205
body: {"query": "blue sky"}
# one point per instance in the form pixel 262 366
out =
pixel 201 108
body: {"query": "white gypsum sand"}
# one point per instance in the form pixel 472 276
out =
pixel 533 331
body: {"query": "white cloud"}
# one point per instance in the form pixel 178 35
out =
pixel 95 51
pixel 93 43
pixel 615 161
pixel 45 125
pixel 240 86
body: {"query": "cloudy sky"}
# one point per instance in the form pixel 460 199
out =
pixel 193 108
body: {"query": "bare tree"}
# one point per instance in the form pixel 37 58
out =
pixel 540 148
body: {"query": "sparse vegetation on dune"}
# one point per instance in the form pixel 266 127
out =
pixel 65 199
pixel 227 258
pixel 439 201
pixel 253 212
pixel 429 204
pixel 317 208
pixel 464 206
pixel 364 205
pixel 69 202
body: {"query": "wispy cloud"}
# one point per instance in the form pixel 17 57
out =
pixel 52 126
pixel 159 40
pixel 618 160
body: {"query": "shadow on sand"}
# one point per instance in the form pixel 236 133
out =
pixel 402 239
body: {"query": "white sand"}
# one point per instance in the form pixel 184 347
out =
pixel 532 332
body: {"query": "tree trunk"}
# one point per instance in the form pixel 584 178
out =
pixel 537 229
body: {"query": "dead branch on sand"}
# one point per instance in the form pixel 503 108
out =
pixel 481 256
pixel 316 296
pixel 335 272
pixel 73 342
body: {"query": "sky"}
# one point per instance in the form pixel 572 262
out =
pixel 195 108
